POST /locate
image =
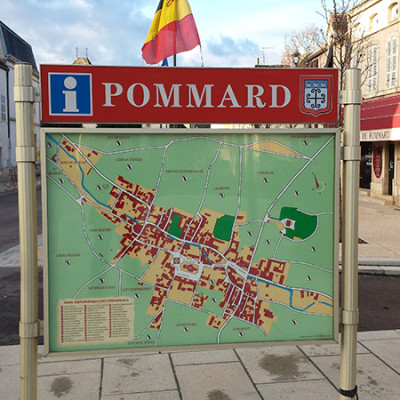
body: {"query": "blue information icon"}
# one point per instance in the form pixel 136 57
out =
pixel 70 94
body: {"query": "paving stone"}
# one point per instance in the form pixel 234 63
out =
pixel 60 357
pixel 227 381
pixel 378 335
pixel 310 390
pixel 9 382
pixel 317 350
pixel 375 380
pixel 75 356
pixel 69 367
pixel 9 355
pixel 127 375
pixel 278 364
pixel 166 395
pixel 387 350
pixel 69 387
pixel 204 357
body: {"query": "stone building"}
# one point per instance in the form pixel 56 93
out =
pixel 13 49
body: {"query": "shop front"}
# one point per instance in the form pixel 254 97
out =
pixel 380 148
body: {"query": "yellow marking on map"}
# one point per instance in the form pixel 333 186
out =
pixel 273 293
pixel 182 290
pixel 215 322
pixel 161 271
pixel 142 253
pixel 157 302
pixel 213 279
pixel 321 304
pixel 73 168
pixel 273 147
pixel 92 155
pixel 266 317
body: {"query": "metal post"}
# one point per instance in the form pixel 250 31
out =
pixel 26 158
pixel 351 172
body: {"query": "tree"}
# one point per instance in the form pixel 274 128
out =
pixel 301 43
pixel 340 46
pixel 346 47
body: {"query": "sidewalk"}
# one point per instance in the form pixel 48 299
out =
pixel 379 229
pixel 307 372
pixel 7 187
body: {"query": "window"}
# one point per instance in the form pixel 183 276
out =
pixel 373 22
pixel 391 62
pixel 393 12
pixel 358 31
pixel 372 74
pixel 3 115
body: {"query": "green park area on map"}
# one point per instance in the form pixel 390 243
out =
pixel 168 238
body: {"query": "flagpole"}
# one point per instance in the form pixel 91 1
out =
pixel 174 60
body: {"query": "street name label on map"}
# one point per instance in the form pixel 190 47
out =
pixel 235 245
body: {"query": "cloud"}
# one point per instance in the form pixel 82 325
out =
pixel 113 31
pixel 229 52
pixel 226 46
pixel 233 32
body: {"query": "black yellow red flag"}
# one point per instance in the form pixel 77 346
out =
pixel 172 31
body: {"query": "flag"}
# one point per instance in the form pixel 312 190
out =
pixel 172 31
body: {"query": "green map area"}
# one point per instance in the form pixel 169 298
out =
pixel 169 239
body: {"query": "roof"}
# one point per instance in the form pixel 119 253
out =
pixel 15 47
pixel 383 113
pixel 82 61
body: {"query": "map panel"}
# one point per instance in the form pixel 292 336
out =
pixel 189 237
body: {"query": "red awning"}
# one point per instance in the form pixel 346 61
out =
pixel 380 114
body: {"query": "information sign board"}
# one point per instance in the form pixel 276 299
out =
pixel 74 93
pixel 147 246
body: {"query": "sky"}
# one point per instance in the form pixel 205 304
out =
pixel 234 33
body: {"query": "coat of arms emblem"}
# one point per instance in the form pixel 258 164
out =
pixel 316 93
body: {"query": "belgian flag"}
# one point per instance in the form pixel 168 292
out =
pixel 172 31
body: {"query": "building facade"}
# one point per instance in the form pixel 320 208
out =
pixel 371 42
pixel 13 49
pixel 377 24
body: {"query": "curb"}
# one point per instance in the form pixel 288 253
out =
pixel 377 270
pixel 377 266
pixel 7 188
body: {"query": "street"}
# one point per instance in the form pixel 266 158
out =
pixel 9 230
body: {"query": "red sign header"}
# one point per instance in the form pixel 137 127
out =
pixel 72 93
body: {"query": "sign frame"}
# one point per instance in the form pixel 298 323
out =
pixel 209 132
pixel 187 95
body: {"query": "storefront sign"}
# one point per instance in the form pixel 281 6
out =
pixel 377 162
pixel 376 135
pixel 172 95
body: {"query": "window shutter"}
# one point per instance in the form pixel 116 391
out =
pixel 389 64
pixel 394 62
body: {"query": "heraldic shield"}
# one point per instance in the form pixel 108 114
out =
pixel 315 94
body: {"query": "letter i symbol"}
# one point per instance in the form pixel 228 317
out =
pixel 70 83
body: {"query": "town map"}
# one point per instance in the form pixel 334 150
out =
pixel 176 237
